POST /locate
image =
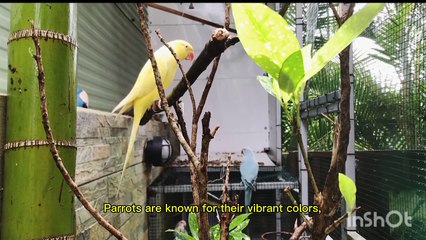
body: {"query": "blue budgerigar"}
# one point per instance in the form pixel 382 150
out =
pixel 82 98
pixel 249 169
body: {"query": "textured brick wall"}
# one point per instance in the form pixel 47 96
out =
pixel 101 148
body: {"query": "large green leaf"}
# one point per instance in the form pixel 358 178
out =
pixel 354 26
pixel 265 35
pixel 193 225
pixel 348 189
pixel 237 221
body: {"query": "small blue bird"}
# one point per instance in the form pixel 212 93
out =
pixel 82 98
pixel 180 227
pixel 249 169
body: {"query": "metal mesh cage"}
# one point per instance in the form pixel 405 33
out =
pixel 174 188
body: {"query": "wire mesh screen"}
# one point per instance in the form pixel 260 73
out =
pixel 390 95
pixel 390 82
pixel 390 114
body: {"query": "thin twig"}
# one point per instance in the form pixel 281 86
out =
pixel 350 11
pixel 181 121
pixel 188 85
pixel 189 16
pixel 209 83
pixel 328 118
pixel 225 217
pixel 226 183
pixel 206 90
pixel 49 136
pixel 191 155
pixel 287 190
pixel 227 15
pixel 339 221
pixel 336 14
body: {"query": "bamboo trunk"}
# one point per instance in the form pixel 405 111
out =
pixel 37 203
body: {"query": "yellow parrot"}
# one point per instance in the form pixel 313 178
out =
pixel 144 92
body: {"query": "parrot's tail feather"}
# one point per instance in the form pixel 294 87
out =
pixel 249 185
pixel 125 108
pixel 247 197
pixel 126 103
pixel 138 111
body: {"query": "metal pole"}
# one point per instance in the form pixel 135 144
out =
pixel 303 174
pixel 350 165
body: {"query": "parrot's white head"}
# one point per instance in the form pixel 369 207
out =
pixel 247 151
pixel 183 49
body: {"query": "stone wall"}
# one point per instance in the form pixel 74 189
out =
pixel 101 148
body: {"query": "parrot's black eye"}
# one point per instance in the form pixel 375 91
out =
pixel 186 46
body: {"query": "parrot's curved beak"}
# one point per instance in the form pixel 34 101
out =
pixel 190 56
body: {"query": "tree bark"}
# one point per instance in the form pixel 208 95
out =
pixel 329 199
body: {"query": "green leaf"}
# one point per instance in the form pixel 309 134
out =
pixel 291 74
pixel 181 235
pixel 241 226
pixel 271 86
pixel 193 225
pixel 214 232
pixel 265 35
pixel 238 235
pixel 238 221
pixel 348 189
pixel 353 27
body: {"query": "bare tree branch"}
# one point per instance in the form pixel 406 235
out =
pixel 227 16
pixel 287 190
pixel 181 121
pixel 189 16
pixel 339 221
pixel 284 9
pixel 52 146
pixel 165 105
pixel 336 14
pixel 225 217
pixel 214 47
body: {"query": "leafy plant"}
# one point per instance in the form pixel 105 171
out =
pixel 236 227
pixel 270 42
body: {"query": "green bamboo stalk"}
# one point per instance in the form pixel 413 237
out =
pixel 37 203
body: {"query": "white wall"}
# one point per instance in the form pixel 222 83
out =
pixel 237 100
